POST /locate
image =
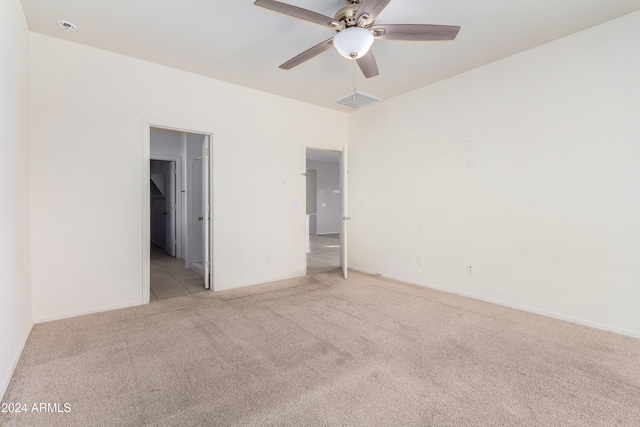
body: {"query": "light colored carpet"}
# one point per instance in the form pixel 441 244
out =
pixel 319 350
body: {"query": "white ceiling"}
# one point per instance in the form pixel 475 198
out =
pixel 235 41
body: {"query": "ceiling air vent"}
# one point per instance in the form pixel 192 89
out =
pixel 357 100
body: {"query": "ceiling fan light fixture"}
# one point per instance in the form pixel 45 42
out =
pixel 353 42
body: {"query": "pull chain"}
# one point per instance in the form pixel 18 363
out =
pixel 354 81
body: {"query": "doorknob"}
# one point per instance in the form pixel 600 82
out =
pixel 199 218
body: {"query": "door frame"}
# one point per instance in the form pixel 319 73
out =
pixel 147 124
pixel 304 222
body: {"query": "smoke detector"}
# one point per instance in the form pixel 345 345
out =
pixel 66 25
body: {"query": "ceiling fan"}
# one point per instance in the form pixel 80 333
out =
pixel 357 30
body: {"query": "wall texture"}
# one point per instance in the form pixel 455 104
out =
pixel 87 112
pixel 526 168
pixel 15 286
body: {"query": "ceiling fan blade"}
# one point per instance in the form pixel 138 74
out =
pixel 308 54
pixel 415 32
pixel 300 13
pixel 368 65
pixel 370 8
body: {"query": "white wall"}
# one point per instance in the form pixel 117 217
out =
pixel 527 168
pixel 327 180
pixel 91 104
pixel 15 286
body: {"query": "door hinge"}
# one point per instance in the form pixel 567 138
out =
pixel 206 152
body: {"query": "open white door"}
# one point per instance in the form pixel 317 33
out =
pixel 206 208
pixel 345 218
pixel 170 208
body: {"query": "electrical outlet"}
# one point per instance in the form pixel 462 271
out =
pixel 267 258
pixel 419 260
pixel 469 268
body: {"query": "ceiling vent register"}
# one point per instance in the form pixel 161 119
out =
pixel 357 100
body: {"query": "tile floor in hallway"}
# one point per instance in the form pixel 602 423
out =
pixel 169 278
pixel 325 253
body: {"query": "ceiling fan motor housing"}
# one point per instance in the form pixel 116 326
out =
pixel 347 14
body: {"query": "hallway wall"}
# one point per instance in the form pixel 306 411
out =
pixel 159 208
pixel 166 144
pixel 327 181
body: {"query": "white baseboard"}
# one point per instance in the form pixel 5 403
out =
pixel 257 282
pixel 4 385
pixel 89 311
pixel 559 316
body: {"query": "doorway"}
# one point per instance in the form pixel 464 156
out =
pixel 324 205
pixel 177 251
